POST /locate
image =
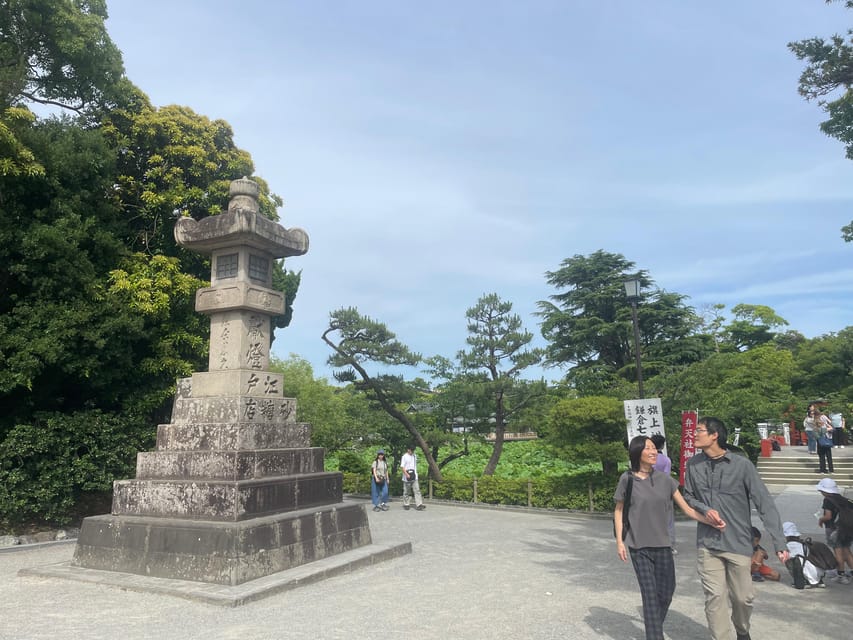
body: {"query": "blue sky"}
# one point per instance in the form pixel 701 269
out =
pixel 438 151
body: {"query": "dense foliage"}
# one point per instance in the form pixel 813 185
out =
pixel 828 78
pixel 97 314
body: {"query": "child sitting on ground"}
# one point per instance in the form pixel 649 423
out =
pixel 760 571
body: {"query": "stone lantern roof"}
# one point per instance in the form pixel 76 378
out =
pixel 241 224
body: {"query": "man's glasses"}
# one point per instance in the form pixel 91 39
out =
pixel 701 431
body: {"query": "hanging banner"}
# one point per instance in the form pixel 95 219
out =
pixel 644 417
pixel 688 441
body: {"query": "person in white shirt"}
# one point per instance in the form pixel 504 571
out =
pixel 409 468
pixel 813 576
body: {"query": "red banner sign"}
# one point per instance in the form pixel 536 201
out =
pixel 688 440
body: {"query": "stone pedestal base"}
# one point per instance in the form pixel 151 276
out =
pixel 227 553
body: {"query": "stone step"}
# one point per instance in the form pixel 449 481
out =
pixel 233 436
pixel 802 470
pixel 232 409
pixel 227 465
pixel 225 501
pixel 219 553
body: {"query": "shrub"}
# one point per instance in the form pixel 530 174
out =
pixel 48 466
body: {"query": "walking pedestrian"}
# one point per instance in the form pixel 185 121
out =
pixel 838 427
pixel 650 507
pixel 721 485
pixel 808 427
pixel 823 434
pixel 409 467
pixel 379 482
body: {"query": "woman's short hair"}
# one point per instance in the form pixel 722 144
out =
pixel 635 450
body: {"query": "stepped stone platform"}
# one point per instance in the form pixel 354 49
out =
pixel 793 465
pixel 234 493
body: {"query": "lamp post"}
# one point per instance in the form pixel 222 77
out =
pixel 632 290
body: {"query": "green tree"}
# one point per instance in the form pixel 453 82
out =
pixel 824 368
pixel 753 325
pixel 173 162
pixel 742 388
pixel 323 406
pixel 828 78
pixel 58 52
pixel 357 341
pixel 589 328
pixel 499 351
pixel 590 428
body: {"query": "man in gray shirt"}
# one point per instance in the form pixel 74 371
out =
pixel 721 485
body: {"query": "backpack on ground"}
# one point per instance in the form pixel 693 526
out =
pixel 795 566
pixel 819 554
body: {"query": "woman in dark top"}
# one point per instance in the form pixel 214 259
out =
pixel 835 539
pixel 648 540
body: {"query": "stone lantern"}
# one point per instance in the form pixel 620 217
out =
pixel 233 492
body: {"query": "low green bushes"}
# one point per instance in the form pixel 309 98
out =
pixel 582 492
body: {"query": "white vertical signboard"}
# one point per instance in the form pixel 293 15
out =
pixel 644 417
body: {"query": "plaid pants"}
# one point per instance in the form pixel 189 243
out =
pixel 655 571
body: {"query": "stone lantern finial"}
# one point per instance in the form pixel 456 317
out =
pixel 244 195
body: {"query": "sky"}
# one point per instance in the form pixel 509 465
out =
pixel 438 151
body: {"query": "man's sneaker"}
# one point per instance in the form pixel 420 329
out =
pixel 376 508
pixel 384 506
pixel 819 585
pixel 421 507
pixel 756 577
pixel 843 579
pixel 406 507
pixel 674 551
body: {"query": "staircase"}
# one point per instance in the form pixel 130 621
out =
pixel 793 465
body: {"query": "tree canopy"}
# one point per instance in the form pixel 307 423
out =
pixel 588 323
pixel 828 78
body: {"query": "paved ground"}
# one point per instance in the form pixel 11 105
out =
pixel 474 573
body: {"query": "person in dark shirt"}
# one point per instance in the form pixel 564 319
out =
pixel 837 540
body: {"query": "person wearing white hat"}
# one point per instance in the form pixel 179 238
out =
pixel 839 542
pixel 813 576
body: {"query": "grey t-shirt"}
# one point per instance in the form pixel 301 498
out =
pixel 651 509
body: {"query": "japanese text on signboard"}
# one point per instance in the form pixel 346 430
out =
pixel 688 440
pixel 644 417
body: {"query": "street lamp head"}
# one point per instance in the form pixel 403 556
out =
pixel 632 288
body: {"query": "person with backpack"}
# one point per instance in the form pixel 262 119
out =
pixel 823 433
pixel 379 482
pixel 648 510
pixel 804 571
pixel 839 536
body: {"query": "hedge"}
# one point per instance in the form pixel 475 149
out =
pixel 580 492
